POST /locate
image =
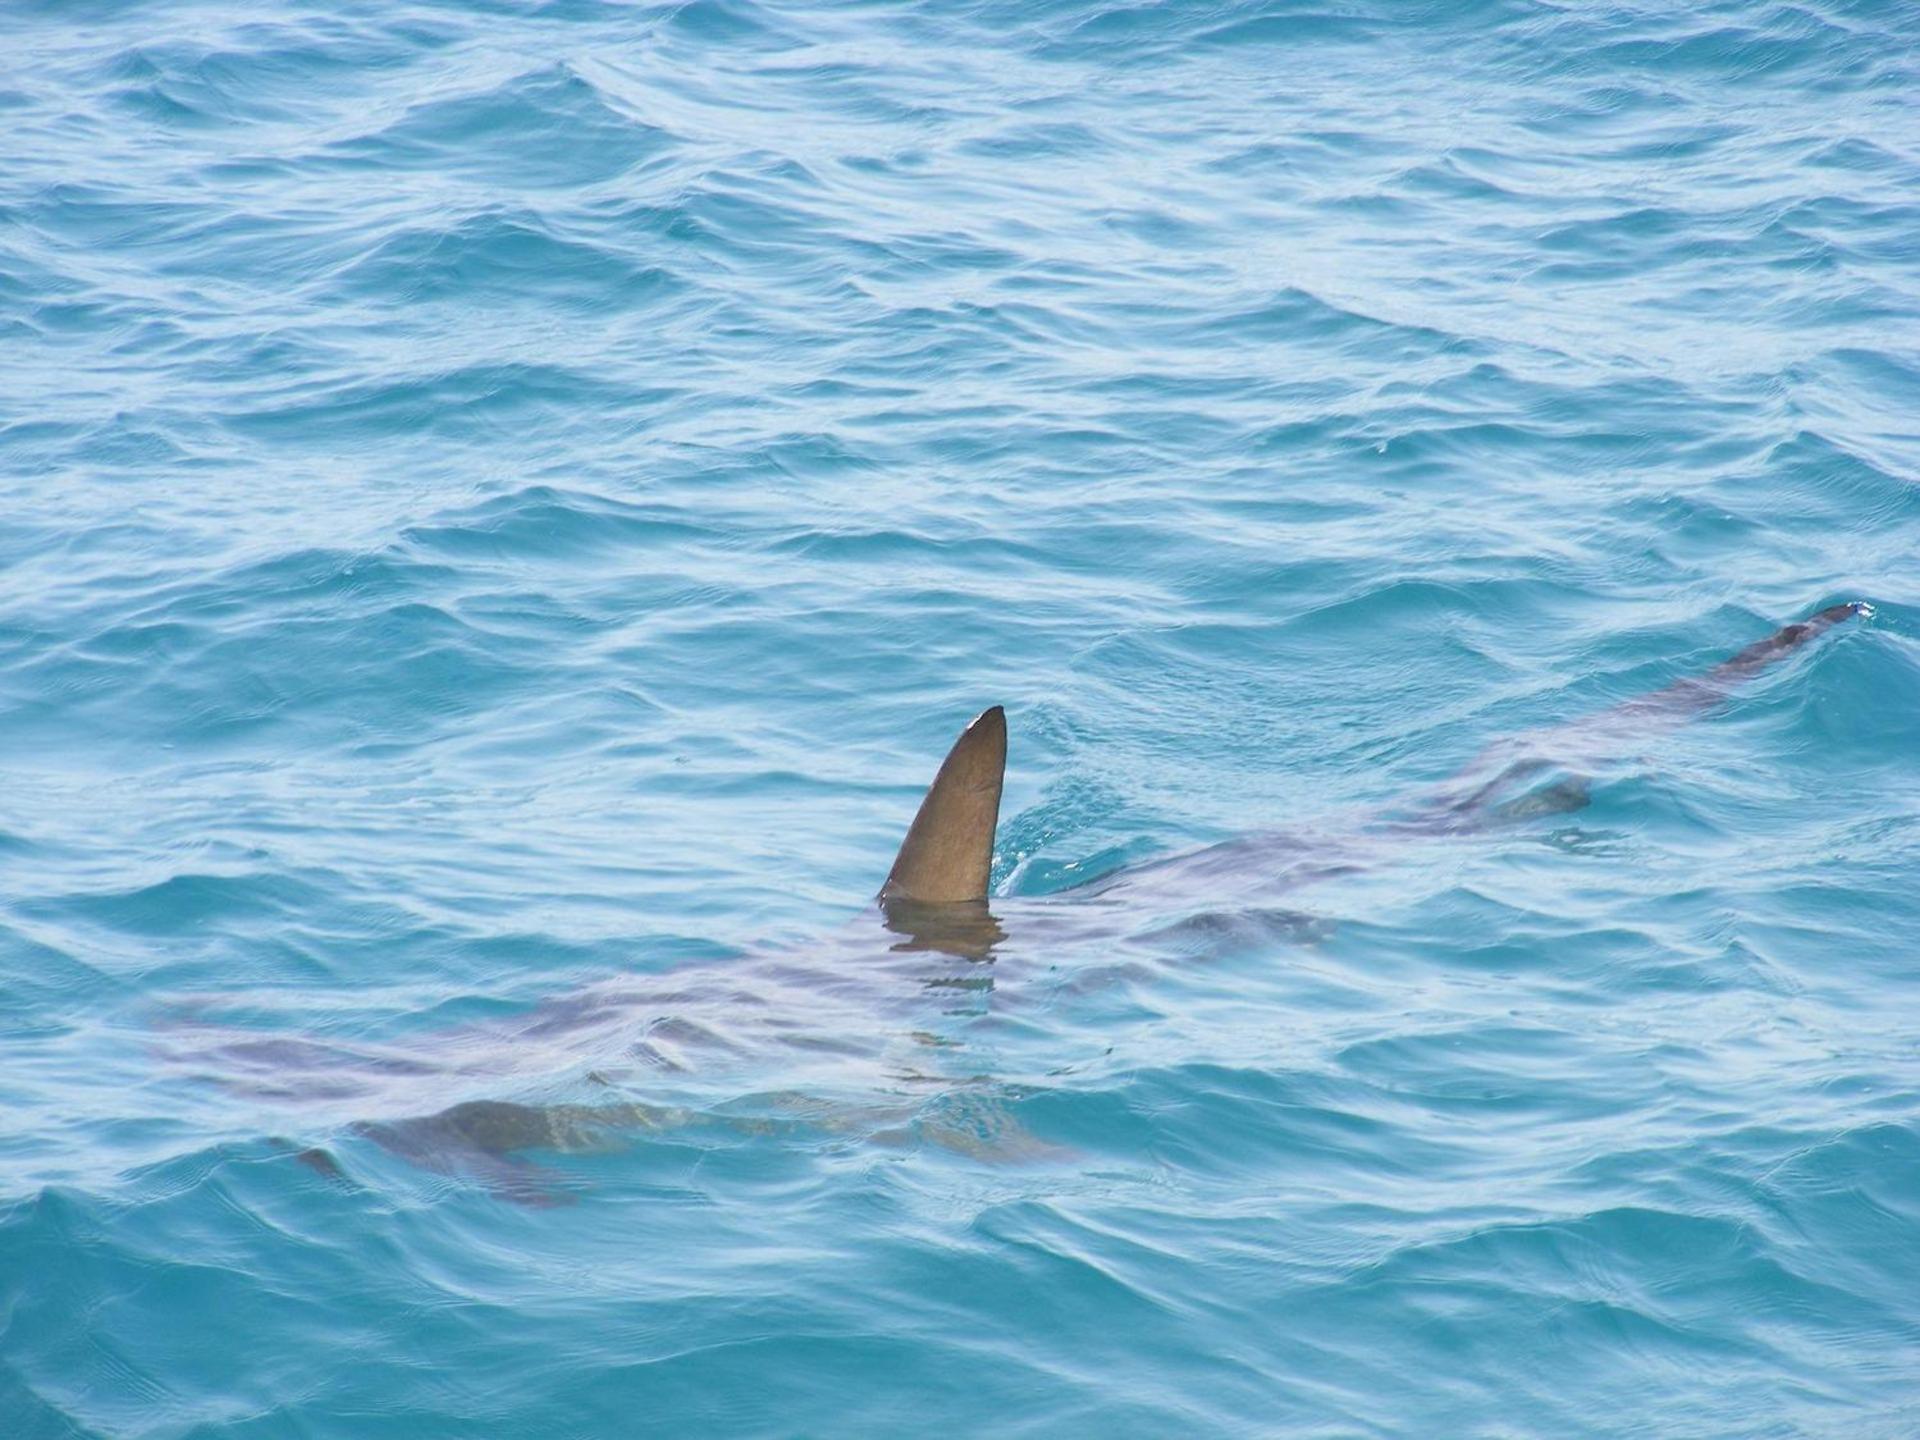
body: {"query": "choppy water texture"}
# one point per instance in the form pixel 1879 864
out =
pixel 506 503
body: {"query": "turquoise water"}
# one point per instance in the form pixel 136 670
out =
pixel 506 504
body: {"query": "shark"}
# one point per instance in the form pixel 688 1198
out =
pixel 844 1019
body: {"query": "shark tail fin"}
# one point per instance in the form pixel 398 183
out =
pixel 1703 690
pixel 1485 791
pixel 948 853
pixel 1784 641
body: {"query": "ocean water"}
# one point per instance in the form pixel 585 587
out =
pixel 506 503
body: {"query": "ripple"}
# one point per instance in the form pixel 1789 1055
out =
pixel 546 128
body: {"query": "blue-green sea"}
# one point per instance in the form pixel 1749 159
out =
pixel 505 503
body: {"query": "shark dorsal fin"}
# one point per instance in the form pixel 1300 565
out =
pixel 948 853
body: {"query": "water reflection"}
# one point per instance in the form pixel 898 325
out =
pixel 967 930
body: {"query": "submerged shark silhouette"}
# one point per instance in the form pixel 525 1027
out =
pixel 944 864
pixel 819 1009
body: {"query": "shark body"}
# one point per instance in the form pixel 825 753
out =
pixel 845 1019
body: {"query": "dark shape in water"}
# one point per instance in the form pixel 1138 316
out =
pixel 935 901
pixel 947 856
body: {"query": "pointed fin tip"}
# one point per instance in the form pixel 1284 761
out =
pixel 948 853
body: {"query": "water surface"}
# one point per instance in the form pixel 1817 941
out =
pixel 506 503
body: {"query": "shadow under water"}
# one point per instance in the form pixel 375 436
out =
pixel 875 1030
